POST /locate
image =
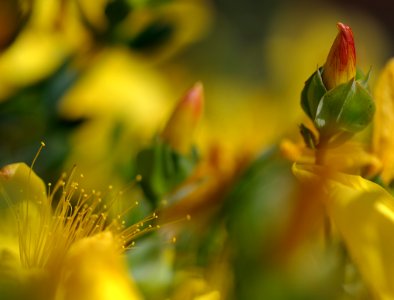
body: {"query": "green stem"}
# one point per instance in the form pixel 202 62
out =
pixel 320 152
pixel 327 230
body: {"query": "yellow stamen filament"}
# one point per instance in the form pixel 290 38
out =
pixel 76 215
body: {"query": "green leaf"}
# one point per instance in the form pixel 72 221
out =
pixel 308 136
pixel 363 78
pixel 312 92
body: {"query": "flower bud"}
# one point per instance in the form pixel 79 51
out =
pixel 340 66
pixel 336 97
pixel 178 132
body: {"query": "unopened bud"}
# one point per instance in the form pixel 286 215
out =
pixel 340 66
pixel 336 100
pixel 179 130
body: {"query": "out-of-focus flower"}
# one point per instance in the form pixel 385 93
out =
pixel 195 288
pixel 53 35
pixel 363 213
pixel 71 252
pixel 179 130
pixel 349 157
pixel 127 105
pixel 237 111
pixel 13 16
pixel 340 66
pixel 382 139
pixel 156 30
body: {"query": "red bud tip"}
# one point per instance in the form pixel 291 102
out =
pixel 179 129
pixel 194 101
pixel 340 66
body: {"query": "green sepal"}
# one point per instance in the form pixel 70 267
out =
pixel 348 107
pixel 162 169
pixel 363 78
pixel 308 136
pixel 312 92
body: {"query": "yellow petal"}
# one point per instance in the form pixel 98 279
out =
pixel 383 139
pixel 363 213
pixel 19 187
pixel 19 183
pixel 94 269
pixel 24 205
pixel 215 295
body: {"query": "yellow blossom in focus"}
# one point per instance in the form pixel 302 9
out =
pixel 70 252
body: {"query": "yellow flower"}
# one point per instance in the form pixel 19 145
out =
pixel 363 213
pixel 70 252
pixel 52 35
pixel 155 30
pixel 128 95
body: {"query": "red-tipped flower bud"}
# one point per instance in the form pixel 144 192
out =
pixel 340 66
pixel 178 132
